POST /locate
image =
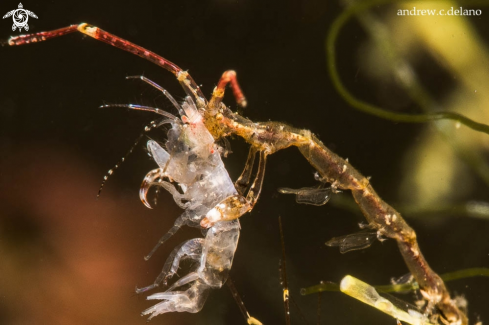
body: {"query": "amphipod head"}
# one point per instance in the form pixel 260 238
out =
pixel 230 208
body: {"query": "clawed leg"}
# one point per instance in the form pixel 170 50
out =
pixel 154 177
pixel 235 206
pixel 255 189
pixel 191 301
pixel 244 180
pixel 148 181
pixel 228 77
pixel 191 249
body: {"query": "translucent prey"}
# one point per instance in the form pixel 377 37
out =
pixel 191 170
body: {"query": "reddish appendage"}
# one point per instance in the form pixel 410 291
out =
pixel 111 39
pixel 228 77
pixel 42 36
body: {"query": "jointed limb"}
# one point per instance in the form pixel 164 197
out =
pixel 255 189
pixel 235 206
pixel 163 90
pixel 228 77
pixel 176 226
pixel 244 180
pixel 190 249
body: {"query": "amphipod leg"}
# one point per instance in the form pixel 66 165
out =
pixel 154 178
pixel 148 181
pixel 244 180
pixel 235 206
pixel 190 249
pixel 228 77
pixel 191 301
pixel 181 220
pixel 186 279
pixel 177 197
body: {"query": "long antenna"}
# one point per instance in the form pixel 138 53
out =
pixel 111 171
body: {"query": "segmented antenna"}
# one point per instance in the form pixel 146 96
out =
pixel 152 125
pixel 163 90
pixel 111 171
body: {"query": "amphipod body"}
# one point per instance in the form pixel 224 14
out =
pixel 191 169
pixel 192 161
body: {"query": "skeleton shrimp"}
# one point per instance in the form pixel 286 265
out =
pixel 267 138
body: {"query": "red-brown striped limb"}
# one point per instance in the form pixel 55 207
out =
pixel 269 137
pixel 228 77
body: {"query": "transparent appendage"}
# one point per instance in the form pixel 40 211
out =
pixel 309 195
pixel 177 225
pixel 405 279
pixel 191 170
pixel 191 249
pixel 191 301
pixel 356 241
pixel 160 155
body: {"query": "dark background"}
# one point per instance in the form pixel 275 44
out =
pixel 67 258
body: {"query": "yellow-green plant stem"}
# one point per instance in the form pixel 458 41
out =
pixel 456 275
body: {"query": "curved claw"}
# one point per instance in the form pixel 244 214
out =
pixel 147 182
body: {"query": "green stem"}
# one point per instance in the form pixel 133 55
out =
pixel 461 274
pixel 339 22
